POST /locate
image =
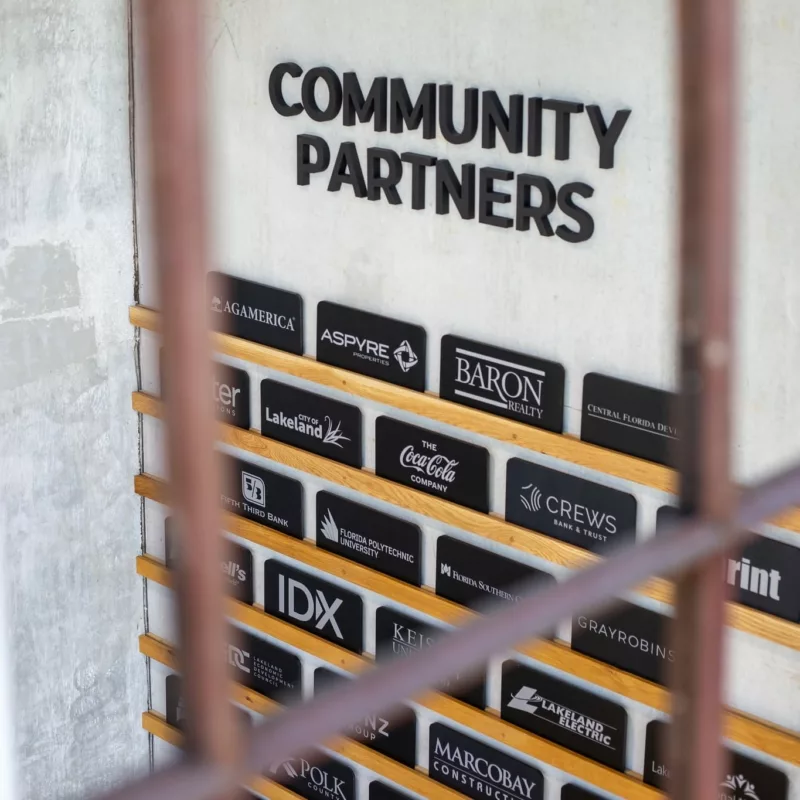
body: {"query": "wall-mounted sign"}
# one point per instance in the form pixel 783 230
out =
pixel 264 668
pixel 573 792
pixel 479 771
pixel 745 779
pixel 325 779
pixel 380 791
pixel 513 385
pixel 263 496
pixel 399 635
pixel 259 313
pixel 569 508
pixel 176 710
pixel 398 740
pixel 170 543
pixel 434 463
pixel 313 604
pixel 629 637
pixel 311 421
pixel 629 417
pixel 565 714
pixel 373 345
pixel 473 576
pixel 377 540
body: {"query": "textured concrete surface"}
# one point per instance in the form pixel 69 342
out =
pixel 68 441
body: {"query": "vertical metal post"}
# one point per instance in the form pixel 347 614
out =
pixel 174 47
pixel 706 30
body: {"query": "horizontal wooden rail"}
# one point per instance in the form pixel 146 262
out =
pixel 621 784
pixel 739 728
pixel 557 445
pixel 749 620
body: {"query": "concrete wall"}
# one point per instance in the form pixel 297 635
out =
pixel 68 440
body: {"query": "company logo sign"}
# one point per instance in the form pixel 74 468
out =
pixel 232 395
pixel 313 604
pixel 572 509
pixel 399 635
pixel 572 792
pixel 311 421
pixel 262 496
pixel 370 537
pixel 630 637
pixel 380 791
pixel 256 312
pixel 327 779
pixel 471 575
pixel 480 771
pixel 628 417
pixel 263 667
pixel 238 570
pixel 176 712
pixel 433 463
pixel 563 713
pixel 512 385
pixel 373 345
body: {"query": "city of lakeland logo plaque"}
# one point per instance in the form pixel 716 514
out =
pixel 380 791
pixel 473 576
pixel 399 635
pixel 264 668
pixel 373 345
pixel 262 496
pixel 310 421
pixel 479 771
pixel 432 462
pixel 315 605
pixel 502 382
pixel 369 537
pixel 569 508
pixel 258 313
pixel 629 417
pixel 563 713
pixel 397 740
pixel 325 779
pixel 629 637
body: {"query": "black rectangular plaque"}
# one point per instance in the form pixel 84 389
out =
pixel 398 634
pixel 373 345
pixel 629 417
pixel 479 771
pixel 256 312
pixel 380 791
pixel 397 740
pixel 630 637
pixel 573 792
pixel 385 543
pixel 313 604
pixel 309 420
pixel 473 576
pixel 581 512
pixel 432 462
pixel 170 543
pixel 264 668
pixel 563 713
pixel 325 779
pixel 263 496
pixel 503 382
pixel 176 710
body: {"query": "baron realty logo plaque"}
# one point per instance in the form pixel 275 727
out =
pixel 369 537
pixel 256 312
pixel 313 604
pixel 563 713
pixel 373 345
pixel 432 462
pixel 629 417
pixel 512 385
pixel 325 779
pixel 309 420
pixel 569 508
pixel 264 668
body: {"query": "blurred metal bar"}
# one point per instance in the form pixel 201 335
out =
pixel 174 47
pixel 707 80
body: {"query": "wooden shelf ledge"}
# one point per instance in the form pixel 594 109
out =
pixel 739 728
pixel 557 445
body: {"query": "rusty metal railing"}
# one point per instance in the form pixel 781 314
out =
pixel 714 522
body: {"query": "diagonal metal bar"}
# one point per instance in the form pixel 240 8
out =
pixel 295 730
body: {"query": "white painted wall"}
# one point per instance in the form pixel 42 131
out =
pixel 68 440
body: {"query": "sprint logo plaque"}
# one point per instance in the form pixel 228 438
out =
pixel 264 668
pixel 565 714
pixel 311 421
pixel 373 345
pixel 565 507
pixel 315 605
pixel 502 382
pixel 369 537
